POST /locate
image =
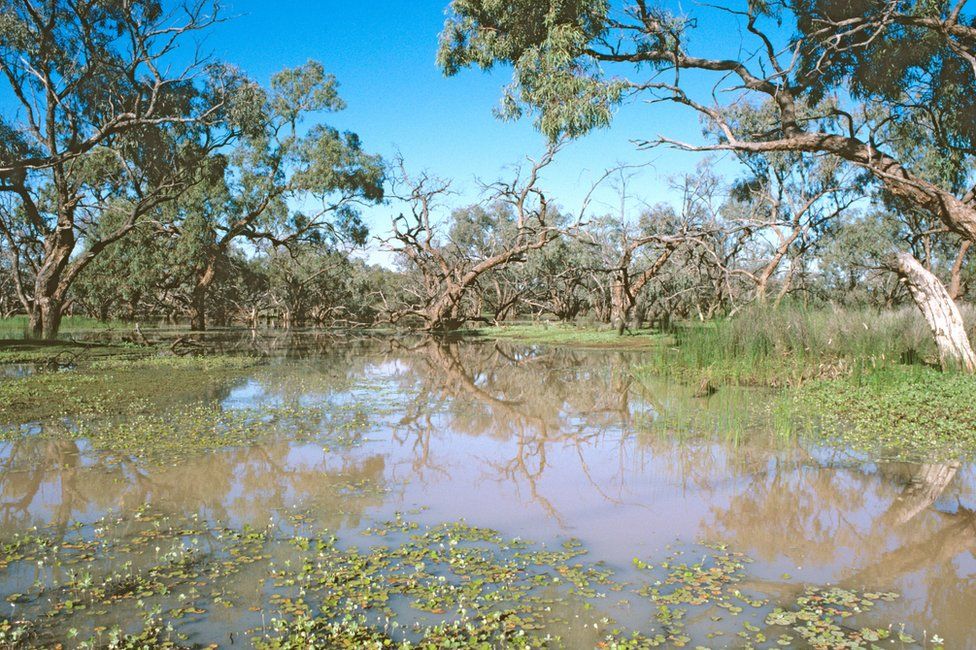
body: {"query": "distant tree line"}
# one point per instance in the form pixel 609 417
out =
pixel 140 181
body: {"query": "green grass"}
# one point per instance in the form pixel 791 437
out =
pixel 16 327
pixel 64 352
pixel 561 334
pixel 792 345
pixel 859 378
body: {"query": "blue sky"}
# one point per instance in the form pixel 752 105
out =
pixel 382 53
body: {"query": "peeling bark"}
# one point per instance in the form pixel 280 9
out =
pixel 940 312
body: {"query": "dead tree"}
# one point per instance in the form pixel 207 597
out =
pixel 447 273
pixel 791 201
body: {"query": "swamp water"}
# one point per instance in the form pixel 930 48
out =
pixel 470 493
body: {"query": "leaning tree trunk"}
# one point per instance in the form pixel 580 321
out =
pixel 444 315
pixel 941 313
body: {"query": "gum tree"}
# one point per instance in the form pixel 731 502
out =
pixel 838 82
pixel 104 125
pixel 516 217
pixel 281 183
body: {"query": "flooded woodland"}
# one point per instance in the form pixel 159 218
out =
pixel 489 324
pixel 468 493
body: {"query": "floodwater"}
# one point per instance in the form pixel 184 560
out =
pixel 538 443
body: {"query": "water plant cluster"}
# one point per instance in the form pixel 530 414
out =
pixel 914 413
pixel 398 583
pixel 115 386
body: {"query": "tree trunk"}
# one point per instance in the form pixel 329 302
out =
pixel 444 314
pixel 955 285
pixel 761 283
pixel 198 298
pixel 941 314
pixel 198 310
pixel 51 284
pixel 45 318
pixel 619 303
pixel 785 289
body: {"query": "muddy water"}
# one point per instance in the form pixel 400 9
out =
pixel 537 443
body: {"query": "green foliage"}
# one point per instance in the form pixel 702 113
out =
pixel 886 62
pixel 304 89
pixel 545 43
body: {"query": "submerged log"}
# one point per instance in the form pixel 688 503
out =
pixel 940 312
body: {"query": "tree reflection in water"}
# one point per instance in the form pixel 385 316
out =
pixel 540 442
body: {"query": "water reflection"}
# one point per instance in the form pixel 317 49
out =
pixel 542 442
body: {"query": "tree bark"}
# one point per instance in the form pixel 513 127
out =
pixel 620 302
pixel 198 298
pixel 444 313
pixel 198 310
pixel 51 283
pixel 940 312
pixel 45 318
pixel 955 285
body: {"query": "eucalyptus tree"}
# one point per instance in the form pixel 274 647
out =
pixel 123 279
pixel 86 71
pixel 560 277
pixel 788 203
pixel 632 254
pixel 307 284
pixel 281 183
pixel 851 261
pixel 104 125
pixel 837 82
pixel 8 295
pixel 515 216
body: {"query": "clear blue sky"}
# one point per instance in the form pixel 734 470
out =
pixel 398 100
pixel 383 54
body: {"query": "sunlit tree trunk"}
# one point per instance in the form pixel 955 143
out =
pixel 940 312
pixel 955 284
pixel 45 318
pixel 619 302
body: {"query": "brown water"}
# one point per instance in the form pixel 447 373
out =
pixel 544 444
